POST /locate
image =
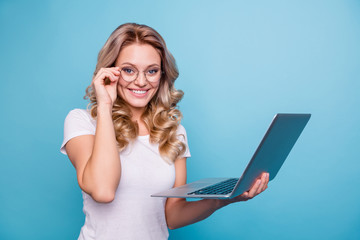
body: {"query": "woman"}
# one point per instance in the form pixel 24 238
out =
pixel 130 144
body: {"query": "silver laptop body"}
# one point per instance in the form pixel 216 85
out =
pixel 271 153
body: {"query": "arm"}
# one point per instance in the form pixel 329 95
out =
pixel 96 158
pixel 180 213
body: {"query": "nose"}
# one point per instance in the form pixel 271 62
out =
pixel 141 80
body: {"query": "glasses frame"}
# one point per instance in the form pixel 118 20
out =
pixel 137 75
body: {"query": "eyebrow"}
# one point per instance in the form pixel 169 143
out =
pixel 151 65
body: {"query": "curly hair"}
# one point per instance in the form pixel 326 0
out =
pixel 161 115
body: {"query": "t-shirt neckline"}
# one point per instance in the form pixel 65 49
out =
pixel 144 137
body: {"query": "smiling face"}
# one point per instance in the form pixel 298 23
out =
pixel 146 60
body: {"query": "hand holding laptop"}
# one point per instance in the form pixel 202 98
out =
pixel 260 185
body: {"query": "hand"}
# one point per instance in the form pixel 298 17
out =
pixel 258 187
pixel 105 85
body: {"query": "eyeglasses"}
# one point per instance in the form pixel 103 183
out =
pixel 130 73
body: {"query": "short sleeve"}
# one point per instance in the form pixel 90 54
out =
pixel 78 122
pixel 183 137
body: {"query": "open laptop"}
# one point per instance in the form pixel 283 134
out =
pixel 271 153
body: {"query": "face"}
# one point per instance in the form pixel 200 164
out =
pixel 146 60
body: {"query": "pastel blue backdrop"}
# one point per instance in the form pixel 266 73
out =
pixel 240 63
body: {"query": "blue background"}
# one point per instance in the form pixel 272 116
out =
pixel 240 63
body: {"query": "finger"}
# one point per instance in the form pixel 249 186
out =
pixel 111 80
pixel 115 70
pixel 267 181
pixel 115 74
pixel 108 80
pixel 243 197
pixel 254 188
pixel 105 78
pixel 100 76
pixel 262 184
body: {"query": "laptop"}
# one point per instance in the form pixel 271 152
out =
pixel 270 155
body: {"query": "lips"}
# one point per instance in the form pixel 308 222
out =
pixel 138 92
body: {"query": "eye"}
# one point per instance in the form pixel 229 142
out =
pixel 128 71
pixel 152 71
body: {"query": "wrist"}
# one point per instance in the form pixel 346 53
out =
pixel 104 109
pixel 220 203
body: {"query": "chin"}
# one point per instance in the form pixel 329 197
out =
pixel 137 103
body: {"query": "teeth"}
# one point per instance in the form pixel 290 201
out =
pixel 138 91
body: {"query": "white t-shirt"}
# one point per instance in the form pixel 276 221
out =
pixel 133 214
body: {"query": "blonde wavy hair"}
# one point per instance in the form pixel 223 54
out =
pixel 161 115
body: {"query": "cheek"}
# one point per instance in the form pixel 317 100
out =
pixel 121 87
pixel 122 84
pixel 156 90
pixel 156 87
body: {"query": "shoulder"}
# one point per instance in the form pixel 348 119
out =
pixel 78 122
pixel 79 113
pixel 79 119
pixel 181 133
pixel 181 129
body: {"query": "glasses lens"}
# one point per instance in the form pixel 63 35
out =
pixel 153 75
pixel 129 74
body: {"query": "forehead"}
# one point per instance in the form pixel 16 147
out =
pixel 141 55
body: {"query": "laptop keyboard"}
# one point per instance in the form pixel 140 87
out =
pixel 220 188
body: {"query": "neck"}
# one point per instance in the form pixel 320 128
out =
pixel 136 113
pixel 136 117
